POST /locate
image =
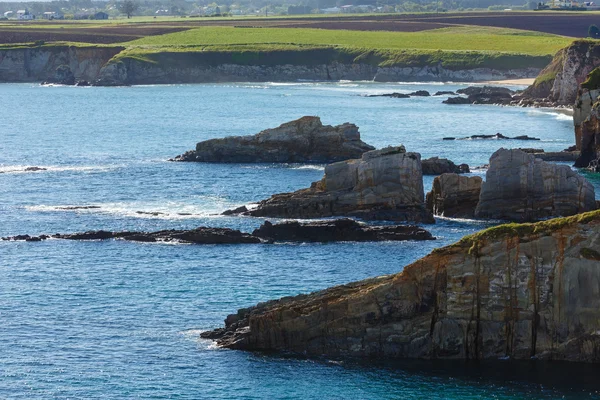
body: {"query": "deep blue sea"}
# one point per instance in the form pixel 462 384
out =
pixel 117 320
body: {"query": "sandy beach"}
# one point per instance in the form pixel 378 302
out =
pixel 524 81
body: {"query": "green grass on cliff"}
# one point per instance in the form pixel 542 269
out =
pixel 449 39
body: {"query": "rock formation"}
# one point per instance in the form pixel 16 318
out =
pixel 438 166
pixel 338 230
pixel 497 136
pixel 482 95
pixel 454 196
pixel 586 118
pixel 303 140
pixel 519 187
pixel 384 184
pixel 288 231
pixel 517 291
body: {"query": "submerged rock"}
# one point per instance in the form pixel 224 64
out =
pixel 384 184
pixel 513 291
pixel 519 187
pixel 338 230
pixel 482 95
pixel 454 196
pixel 445 93
pixel 497 136
pixel 395 95
pixel 303 140
pixel 420 93
pixel 438 166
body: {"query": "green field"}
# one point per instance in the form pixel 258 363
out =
pixel 448 39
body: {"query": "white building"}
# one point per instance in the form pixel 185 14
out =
pixel 9 14
pixel 24 15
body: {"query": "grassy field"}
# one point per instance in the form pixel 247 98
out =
pixel 448 39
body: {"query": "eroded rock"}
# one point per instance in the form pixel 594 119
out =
pixel 303 140
pixel 438 166
pixel 384 184
pixel 454 196
pixel 519 187
pixel 513 291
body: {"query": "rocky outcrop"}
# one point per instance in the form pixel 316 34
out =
pixel 288 231
pixel 303 140
pixel 438 166
pixel 586 118
pixel 454 196
pixel 482 95
pixel 513 291
pixel 384 184
pixel 40 63
pixel 338 230
pixel 519 187
pixel 566 155
pixel 496 136
pixel 558 83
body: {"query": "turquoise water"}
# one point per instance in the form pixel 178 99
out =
pixel 121 320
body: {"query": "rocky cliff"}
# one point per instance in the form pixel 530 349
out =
pixel 384 184
pixel 517 291
pixel 39 63
pixel 586 118
pixel 303 140
pixel 560 80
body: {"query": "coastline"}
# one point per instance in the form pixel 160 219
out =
pixel 512 82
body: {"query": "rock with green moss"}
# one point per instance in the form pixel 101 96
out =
pixel 515 291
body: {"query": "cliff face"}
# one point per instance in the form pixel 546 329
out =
pixel 586 118
pixel 34 64
pixel 560 80
pixel 511 291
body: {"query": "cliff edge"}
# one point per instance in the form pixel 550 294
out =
pixel 516 290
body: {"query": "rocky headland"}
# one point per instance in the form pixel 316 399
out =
pixel 384 184
pixel 305 140
pixel 517 291
pixel 288 231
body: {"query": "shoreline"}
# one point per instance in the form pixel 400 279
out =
pixel 515 82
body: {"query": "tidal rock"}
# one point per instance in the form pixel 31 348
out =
pixel 420 93
pixel 384 184
pixel 445 93
pixel 438 166
pixel 519 187
pixel 338 230
pixel 557 156
pixel 200 235
pixel 513 291
pixel 457 100
pixel 62 76
pixel 35 169
pixel 497 136
pixel 484 90
pixel 454 196
pixel 394 95
pixel 482 95
pixel 303 140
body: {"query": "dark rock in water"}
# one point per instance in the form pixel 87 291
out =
pixel 471 300
pixel 338 230
pixel 438 166
pixel 557 156
pixel 35 169
pixel 153 213
pixel 303 140
pixel 82 83
pixel 521 187
pixel 457 100
pixel 200 235
pixel 530 150
pixel 449 138
pixel 235 211
pixel 454 196
pixel 478 90
pixel 394 95
pixel 77 207
pixel 571 148
pixel 420 93
pixel 445 93
pixel 495 136
pixel 384 184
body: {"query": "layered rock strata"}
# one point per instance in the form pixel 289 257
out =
pixel 517 291
pixel 384 184
pixel 303 140
pixel 454 196
pixel 438 166
pixel 586 118
pixel 519 187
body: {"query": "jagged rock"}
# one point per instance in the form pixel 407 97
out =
pixel 384 184
pixel 495 136
pixel 519 187
pixel 303 140
pixel 338 230
pixel 62 76
pixel 438 166
pixel 482 95
pixel 454 196
pixel 35 169
pixel 200 235
pixel 513 291
pixel 420 93
pixel 457 100
pixel 487 90
pixel 394 95
pixel 235 211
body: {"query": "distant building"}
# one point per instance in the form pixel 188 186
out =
pixel 25 15
pixel 50 15
pixel 98 15
pixel 101 15
pixel 9 14
pixel 331 10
